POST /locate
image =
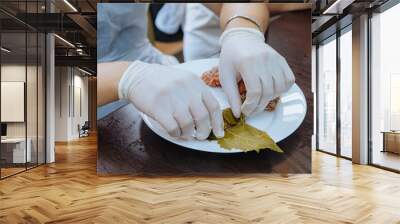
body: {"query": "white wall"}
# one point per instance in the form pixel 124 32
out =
pixel 33 126
pixel 69 82
pixel 14 73
pixel 17 73
pixel 79 117
pixel 61 104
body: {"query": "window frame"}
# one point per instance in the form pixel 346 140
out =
pixel 334 37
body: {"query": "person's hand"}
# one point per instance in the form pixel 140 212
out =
pixel 266 74
pixel 177 99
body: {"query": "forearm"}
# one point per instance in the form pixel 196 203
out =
pixel 277 8
pixel 256 11
pixel 108 76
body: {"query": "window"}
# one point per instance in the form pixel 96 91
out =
pixel 346 93
pixel 22 77
pixel 385 89
pixel 333 137
pixel 327 96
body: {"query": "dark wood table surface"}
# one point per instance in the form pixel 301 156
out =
pixel 127 146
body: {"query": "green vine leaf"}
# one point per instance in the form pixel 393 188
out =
pixel 239 135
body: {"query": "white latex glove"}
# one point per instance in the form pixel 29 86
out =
pixel 266 74
pixel 170 17
pixel 148 53
pixel 178 100
pixel 166 59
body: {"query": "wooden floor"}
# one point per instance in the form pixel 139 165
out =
pixel 69 191
pixel 387 159
pixel 10 171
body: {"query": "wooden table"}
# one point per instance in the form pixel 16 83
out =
pixel 391 141
pixel 127 146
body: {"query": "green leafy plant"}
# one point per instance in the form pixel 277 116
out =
pixel 239 135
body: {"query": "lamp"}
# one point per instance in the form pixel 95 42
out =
pixel 84 71
pixel 5 50
pixel 70 5
pixel 337 7
pixel 65 41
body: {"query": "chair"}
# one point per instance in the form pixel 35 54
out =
pixel 84 130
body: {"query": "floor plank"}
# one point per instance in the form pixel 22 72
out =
pixel 69 191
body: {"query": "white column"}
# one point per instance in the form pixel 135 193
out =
pixel 360 90
pixel 63 100
pixel 50 99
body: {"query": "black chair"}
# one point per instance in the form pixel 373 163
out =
pixel 84 130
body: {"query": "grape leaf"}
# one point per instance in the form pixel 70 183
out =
pixel 229 119
pixel 239 135
pixel 247 138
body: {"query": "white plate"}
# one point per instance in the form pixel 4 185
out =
pixel 279 124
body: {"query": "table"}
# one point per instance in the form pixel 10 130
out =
pixel 391 141
pixel 16 153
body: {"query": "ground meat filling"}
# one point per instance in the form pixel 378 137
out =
pixel 211 78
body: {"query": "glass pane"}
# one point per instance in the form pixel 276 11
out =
pixel 327 97
pixel 346 94
pixel 41 99
pixel 31 88
pixel 13 87
pixel 385 83
pixel 31 100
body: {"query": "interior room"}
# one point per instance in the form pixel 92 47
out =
pixel 334 110
pixel 49 125
pixel 32 94
pixel 22 100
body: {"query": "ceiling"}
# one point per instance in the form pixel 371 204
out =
pixel 72 20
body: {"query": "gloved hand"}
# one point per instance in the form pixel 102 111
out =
pixel 170 17
pixel 166 59
pixel 266 74
pixel 177 99
pixel 150 54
